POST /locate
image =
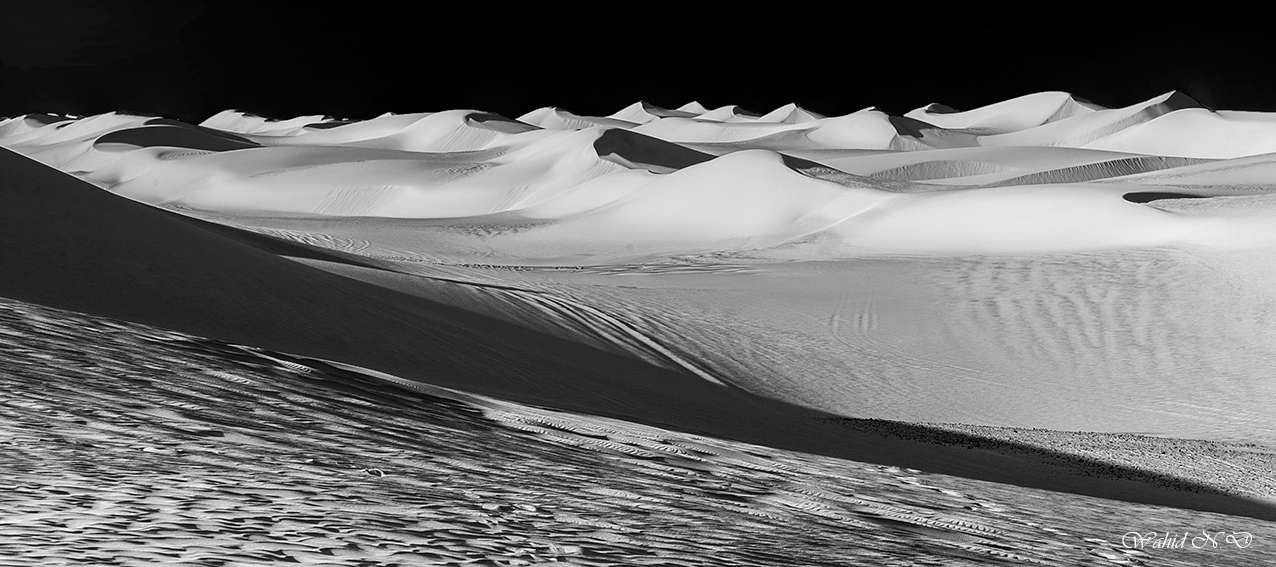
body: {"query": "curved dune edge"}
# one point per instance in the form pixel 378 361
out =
pixel 93 252
pixel 177 137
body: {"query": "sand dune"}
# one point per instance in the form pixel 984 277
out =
pixel 677 129
pixel 450 131
pixel 1251 174
pixel 729 113
pixel 69 144
pixel 637 150
pixel 174 134
pixel 559 119
pixel 1214 135
pixel 790 114
pixel 244 123
pixel 693 107
pixel 226 286
pixel 1034 263
pixel 869 129
pixel 1016 114
pixel 1087 128
pixel 643 112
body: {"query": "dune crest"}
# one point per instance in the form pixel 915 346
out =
pixel 1012 115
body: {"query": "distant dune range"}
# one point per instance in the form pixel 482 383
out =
pixel 1042 262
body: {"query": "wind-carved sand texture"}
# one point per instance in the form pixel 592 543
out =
pixel 133 445
pixel 1041 302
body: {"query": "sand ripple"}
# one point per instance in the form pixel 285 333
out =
pixel 127 445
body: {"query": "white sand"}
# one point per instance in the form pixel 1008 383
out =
pixel 979 267
pixel 1012 115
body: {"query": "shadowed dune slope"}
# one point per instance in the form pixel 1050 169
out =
pixel 640 149
pixel 189 137
pixel 77 247
pixel 498 123
pixel 42 119
pixel 328 125
pixel 1150 196
pixel 247 123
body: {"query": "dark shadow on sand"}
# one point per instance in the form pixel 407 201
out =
pixel 498 123
pixel 1150 196
pixel 905 126
pixel 1062 461
pixel 937 108
pixel 642 149
pixel 171 133
pixel 41 119
pixel 330 124
pixel 1180 100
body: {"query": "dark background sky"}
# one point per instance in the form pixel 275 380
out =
pixel 189 60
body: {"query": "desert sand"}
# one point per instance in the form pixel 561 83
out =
pixel 1035 302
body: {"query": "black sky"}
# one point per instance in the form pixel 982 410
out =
pixel 189 60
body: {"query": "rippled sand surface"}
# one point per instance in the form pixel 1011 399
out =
pixel 131 445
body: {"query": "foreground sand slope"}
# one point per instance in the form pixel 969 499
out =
pixel 134 445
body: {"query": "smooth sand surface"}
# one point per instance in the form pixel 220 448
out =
pixel 750 276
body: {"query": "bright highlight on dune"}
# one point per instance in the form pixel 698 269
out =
pixel 1041 293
